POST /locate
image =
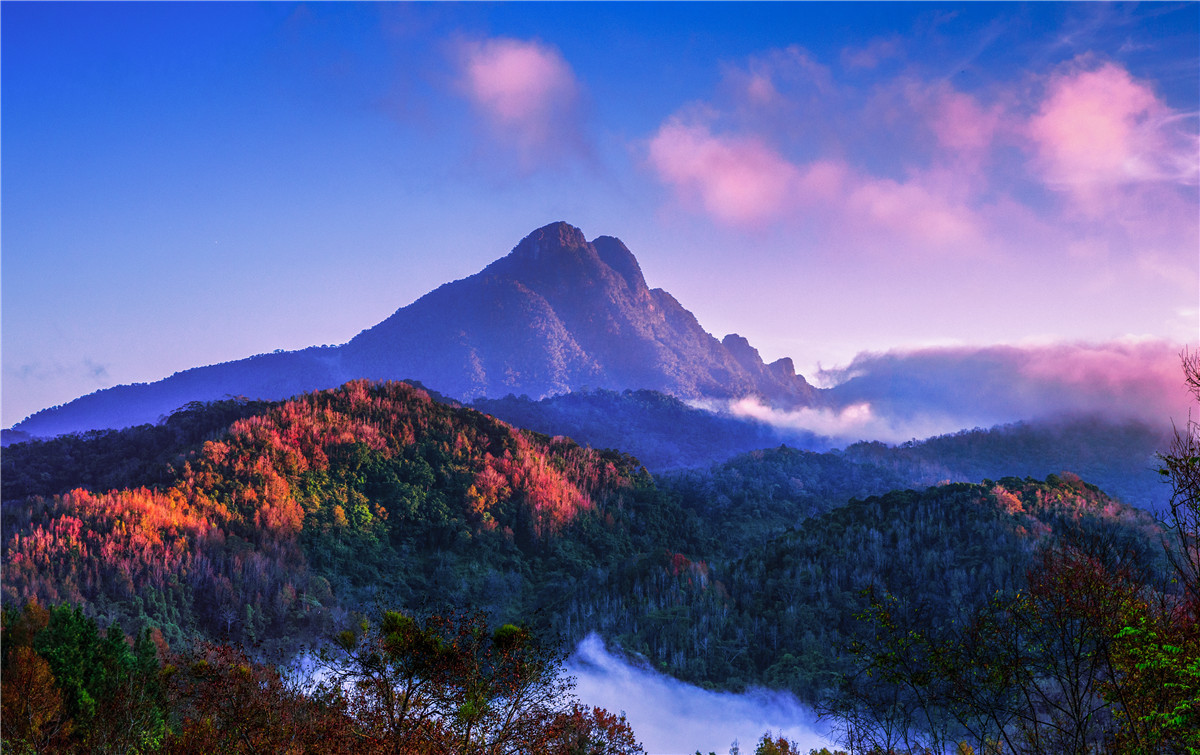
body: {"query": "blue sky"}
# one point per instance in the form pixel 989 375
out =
pixel 192 183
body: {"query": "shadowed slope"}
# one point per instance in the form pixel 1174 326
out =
pixel 556 314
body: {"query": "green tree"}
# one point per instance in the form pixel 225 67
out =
pixel 1158 648
pixel 68 685
pixel 448 683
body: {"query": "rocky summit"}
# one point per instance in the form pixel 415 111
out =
pixel 556 314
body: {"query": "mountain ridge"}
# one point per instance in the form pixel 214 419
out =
pixel 556 314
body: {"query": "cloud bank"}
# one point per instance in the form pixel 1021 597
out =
pixel 669 716
pixel 903 394
pixel 843 424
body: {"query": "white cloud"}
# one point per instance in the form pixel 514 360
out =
pixel 671 717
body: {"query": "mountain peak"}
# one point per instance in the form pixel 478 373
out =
pixel 557 313
pixel 742 351
pixel 616 255
pixel 553 245
pixel 549 239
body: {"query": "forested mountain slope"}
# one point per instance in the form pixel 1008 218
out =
pixel 782 611
pixel 1119 456
pixel 272 528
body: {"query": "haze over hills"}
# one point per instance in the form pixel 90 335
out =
pixel 556 314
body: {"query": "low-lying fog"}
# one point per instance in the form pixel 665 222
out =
pixel 669 716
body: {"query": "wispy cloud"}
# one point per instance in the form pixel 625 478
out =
pixel 779 78
pixel 914 211
pixel 49 383
pixel 1098 130
pixel 873 53
pixel 912 162
pixel 526 93
pixel 47 371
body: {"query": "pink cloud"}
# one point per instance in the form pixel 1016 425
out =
pixel 1099 130
pixel 742 181
pixel 913 211
pixel 917 166
pixel 769 150
pixel 941 133
pixel 958 121
pixel 738 180
pixel 986 385
pixel 760 89
pixel 872 55
pixel 525 90
pixel 823 181
pixel 1126 373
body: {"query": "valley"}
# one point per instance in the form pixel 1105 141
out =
pixel 275 525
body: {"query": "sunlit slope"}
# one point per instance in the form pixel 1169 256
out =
pixel 268 526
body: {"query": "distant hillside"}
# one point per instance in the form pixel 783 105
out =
pixel 761 494
pixel 781 611
pixel 663 432
pixel 669 436
pixel 1118 456
pixel 556 314
pixel 100 460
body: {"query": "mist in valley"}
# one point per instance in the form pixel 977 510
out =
pixel 670 716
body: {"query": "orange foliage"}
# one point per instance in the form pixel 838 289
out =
pixel 30 700
pixel 82 544
pixel 1009 502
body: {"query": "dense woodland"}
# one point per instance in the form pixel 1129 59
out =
pixel 175 561
pixel 442 683
pixel 365 492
